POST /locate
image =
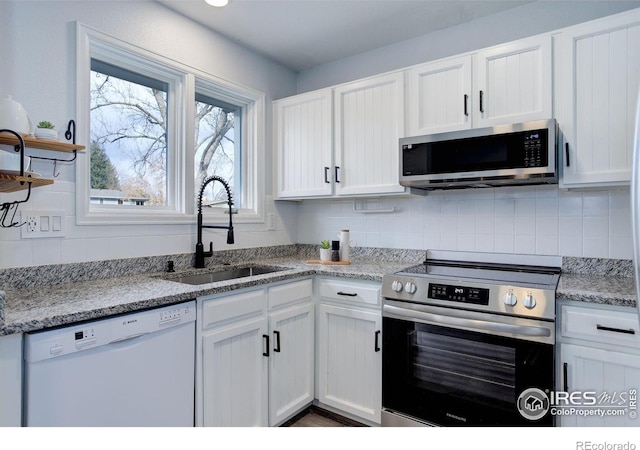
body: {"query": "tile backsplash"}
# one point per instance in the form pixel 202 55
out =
pixel 528 219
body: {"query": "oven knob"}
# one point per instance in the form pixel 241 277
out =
pixel 396 286
pixel 410 287
pixel 510 299
pixel 529 301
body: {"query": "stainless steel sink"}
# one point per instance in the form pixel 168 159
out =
pixel 223 275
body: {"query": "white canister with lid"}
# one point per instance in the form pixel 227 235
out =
pixel 344 245
pixel 14 117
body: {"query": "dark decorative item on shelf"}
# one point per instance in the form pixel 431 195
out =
pixel 5 209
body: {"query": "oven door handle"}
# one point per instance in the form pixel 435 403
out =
pixel 459 322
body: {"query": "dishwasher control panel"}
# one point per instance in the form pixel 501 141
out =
pixel 118 330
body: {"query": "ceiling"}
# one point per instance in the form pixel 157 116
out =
pixel 301 34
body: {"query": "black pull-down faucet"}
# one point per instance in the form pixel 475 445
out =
pixel 200 253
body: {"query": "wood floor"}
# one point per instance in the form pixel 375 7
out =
pixel 317 417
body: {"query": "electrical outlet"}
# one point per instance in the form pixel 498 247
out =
pixel 31 224
pixel 42 224
pixel 271 221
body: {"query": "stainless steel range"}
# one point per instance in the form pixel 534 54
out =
pixel 467 336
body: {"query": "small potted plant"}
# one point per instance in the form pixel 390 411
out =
pixel 46 130
pixel 325 251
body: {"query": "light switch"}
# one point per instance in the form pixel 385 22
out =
pixel 57 223
pixel 44 223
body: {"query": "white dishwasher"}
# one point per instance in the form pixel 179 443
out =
pixel 130 370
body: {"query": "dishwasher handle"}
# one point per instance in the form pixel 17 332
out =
pixel 128 338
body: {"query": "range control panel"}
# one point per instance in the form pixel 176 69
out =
pixel 463 294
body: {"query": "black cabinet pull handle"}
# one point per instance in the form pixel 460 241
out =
pixel 326 175
pixel 481 102
pixel 276 335
pixel 337 178
pixel 615 330
pixel 377 344
pixel 348 294
pixel 566 153
pixel 565 376
pixel 466 99
pixel 265 338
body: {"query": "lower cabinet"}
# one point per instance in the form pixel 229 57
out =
pixel 599 367
pixel 11 380
pixel 349 349
pixel 255 355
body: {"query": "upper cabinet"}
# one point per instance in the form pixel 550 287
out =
pixel 505 84
pixel 341 141
pixel 303 135
pixel 368 122
pixel 439 96
pixel 600 75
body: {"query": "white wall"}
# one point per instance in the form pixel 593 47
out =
pixel 38 70
pixel 515 23
pixel 534 220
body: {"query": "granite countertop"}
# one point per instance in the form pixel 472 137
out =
pixel 599 289
pixel 36 308
pixel 25 308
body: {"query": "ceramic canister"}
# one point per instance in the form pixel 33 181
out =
pixel 14 117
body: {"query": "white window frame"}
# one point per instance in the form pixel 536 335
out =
pixel 182 79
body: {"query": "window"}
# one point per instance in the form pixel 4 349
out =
pixel 157 129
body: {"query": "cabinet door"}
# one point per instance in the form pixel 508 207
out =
pixel 368 121
pixel 303 140
pixel 291 362
pixel 350 360
pixel 235 374
pixel 599 371
pixel 439 96
pixel 11 380
pixel 513 82
pixel 600 80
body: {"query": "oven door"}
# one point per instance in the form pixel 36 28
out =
pixel 455 368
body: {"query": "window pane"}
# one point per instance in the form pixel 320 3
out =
pixel 217 127
pixel 128 137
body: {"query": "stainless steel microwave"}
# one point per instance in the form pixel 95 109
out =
pixel 514 154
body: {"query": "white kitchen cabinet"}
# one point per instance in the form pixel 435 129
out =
pixel 291 361
pixel 255 364
pixel 303 133
pixel 11 380
pixel 368 122
pixel 513 82
pixel 439 96
pixel 599 353
pixel 349 349
pixel 508 83
pixel 600 77
pixel 235 375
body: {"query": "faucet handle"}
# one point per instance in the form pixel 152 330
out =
pixel 209 253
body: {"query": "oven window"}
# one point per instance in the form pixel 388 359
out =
pixel 452 377
pixel 466 368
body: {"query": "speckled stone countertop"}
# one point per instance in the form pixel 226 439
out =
pixel 38 307
pixel 597 280
pixel 35 298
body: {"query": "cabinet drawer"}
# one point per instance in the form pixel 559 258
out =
pixel 351 292
pixel 611 327
pixel 224 308
pixel 290 292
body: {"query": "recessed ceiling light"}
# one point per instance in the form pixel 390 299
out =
pixel 218 3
